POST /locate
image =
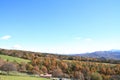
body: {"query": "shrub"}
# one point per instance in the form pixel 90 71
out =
pixel 96 76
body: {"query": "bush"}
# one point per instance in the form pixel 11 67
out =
pixel 96 76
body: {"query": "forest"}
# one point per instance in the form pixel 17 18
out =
pixel 61 66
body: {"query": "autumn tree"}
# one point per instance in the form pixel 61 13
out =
pixel 57 73
pixel 44 69
pixel 63 66
pixel 78 75
pixel 22 67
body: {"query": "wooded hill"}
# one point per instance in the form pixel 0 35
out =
pixel 79 68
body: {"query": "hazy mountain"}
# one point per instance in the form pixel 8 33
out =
pixel 112 54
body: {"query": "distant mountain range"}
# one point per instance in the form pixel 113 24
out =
pixel 112 54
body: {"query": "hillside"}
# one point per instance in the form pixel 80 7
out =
pixel 13 59
pixel 64 66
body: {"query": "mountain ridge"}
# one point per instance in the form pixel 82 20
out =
pixel 111 54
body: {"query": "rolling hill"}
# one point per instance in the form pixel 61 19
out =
pixel 112 54
pixel 65 66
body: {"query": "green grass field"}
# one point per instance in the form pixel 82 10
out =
pixel 3 77
pixel 12 59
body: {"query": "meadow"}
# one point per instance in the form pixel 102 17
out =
pixel 8 77
pixel 12 59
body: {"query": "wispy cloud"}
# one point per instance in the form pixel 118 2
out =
pixel 6 37
pixel 17 46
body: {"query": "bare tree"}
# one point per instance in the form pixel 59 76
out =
pixel 8 67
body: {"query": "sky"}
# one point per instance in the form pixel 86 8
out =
pixel 60 26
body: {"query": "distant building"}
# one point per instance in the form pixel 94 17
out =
pixel 60 79
pixel 46 75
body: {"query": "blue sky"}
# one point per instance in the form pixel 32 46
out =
pixel 60 26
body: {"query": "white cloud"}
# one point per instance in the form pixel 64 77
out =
pixel 17 46
pixel 6 37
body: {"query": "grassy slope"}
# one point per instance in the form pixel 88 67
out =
pixel 12 59
pixel 3 77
